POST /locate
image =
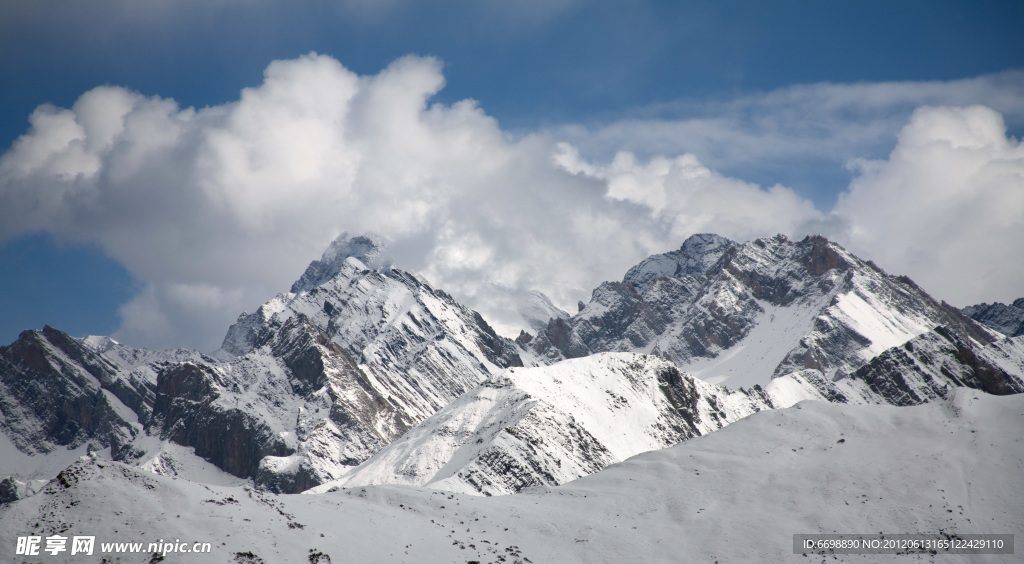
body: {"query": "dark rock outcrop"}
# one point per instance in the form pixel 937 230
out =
pixel 55 392
pixel 1007 319
pixel 9 490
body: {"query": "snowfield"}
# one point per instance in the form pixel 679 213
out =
pixel 736 495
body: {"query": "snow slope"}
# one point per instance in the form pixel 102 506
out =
pixel 737 495
pixel 550 425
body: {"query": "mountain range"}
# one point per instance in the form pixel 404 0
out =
pixel 364 375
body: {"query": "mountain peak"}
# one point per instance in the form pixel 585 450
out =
pixel 99 343
pixel 698 253
pixel 703 240
pixel 367 249
pixel 537 310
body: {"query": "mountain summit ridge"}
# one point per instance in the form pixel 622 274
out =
pixel 1007 319
pixel 832 310
pixel 696 255
pixel 369 249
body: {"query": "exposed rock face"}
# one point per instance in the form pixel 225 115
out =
pixel 819 306
pixel 188 412
pixel 925 368
pixel 1007 319
pixel 937 365
pixel 60 393
pixel 57 393
pixel 9 490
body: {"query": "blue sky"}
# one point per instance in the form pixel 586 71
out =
pixel 789 104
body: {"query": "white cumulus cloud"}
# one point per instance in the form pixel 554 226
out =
pixel 946 206
pixel 216 209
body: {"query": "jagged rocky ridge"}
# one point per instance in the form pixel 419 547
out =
pixel 775 305
pixel 58 392
pixel 1007 319
pixel 370 351
pixel 923 369
pixel 308 388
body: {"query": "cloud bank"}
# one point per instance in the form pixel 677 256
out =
pixel 216 209
pixel 805 133
pixel 946 207
pixel 824 120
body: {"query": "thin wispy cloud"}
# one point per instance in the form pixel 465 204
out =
pixel 810 129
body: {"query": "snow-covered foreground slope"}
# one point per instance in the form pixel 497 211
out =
pixel 553 424
pixel 737 495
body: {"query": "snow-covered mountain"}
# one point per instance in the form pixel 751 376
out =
pixel 365 374
pixel 369 349
pixel 312 383
pixel 537 310
pixel 61 396
pixel 1007 319
pixel 737 495
pixel 553 424
pixel 742 314
pixel 925 368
